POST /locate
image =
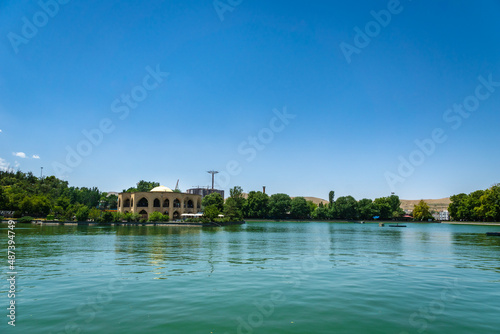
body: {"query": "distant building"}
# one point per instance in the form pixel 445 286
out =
pixel 160 199
pixel 444 215
pixel 204 191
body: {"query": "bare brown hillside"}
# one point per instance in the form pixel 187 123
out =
pixel 434 204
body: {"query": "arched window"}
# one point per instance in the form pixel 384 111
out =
pixel 127 203
pixel 198 205
pixel 118 202
pixel 156 203
pixel 143 203
pixel 190 204
pixel 132 202
pixel 166 203
pixel 144 214
pixel 177 203
pixel 176 215
pixel 166 212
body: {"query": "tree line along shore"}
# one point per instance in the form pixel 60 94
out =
pixel 27 197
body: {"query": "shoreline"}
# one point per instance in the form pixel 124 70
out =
pixel 472 223
pixel 89 223
pixel 67 223
pixel 373 222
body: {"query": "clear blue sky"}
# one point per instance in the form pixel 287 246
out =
pixel 228 69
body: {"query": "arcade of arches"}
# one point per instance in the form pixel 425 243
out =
pixel 167 202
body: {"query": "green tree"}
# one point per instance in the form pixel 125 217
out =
pixel 82 214
pixel 312 207
pixel 299 209
pixel 107 217
pixel 63 202
pixel 321 213
pixel 142 186
pixel 146 185
pixel 233 208
pixel 118 216
pixel 4 200
pixel 132 217
pixel 213 199
pixel 489 210
pixel 41 205
pixel 421 211
pixel 279 206
pixel 331 197
pixel 383 207
pixel 347 207
pixel 95 214
pixel 157 217
pixel 472 202
pixel 456 207
pixel 332 211
pixel 211 212
pixel 257 205
pixel 367 209
pixel 27 205
pixel 58 211
pixel 395 204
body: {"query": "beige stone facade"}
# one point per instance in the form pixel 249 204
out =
pixel 160 199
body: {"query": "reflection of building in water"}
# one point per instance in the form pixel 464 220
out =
pixel 160 199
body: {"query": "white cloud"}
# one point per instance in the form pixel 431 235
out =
pixel 36 156
pixel 19 154
pixel 0 130
pixel 4 165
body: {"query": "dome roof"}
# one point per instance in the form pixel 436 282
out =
pixel 161 189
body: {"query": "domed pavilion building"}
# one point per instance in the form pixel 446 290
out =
pixel 161 199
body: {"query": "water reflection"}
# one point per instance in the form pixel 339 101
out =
pixel 175 251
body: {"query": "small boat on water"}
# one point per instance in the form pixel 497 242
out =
pixel 493 234
pixel 397 225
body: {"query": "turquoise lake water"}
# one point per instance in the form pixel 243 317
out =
pixel 256 278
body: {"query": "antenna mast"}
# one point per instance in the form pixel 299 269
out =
pixel 213 172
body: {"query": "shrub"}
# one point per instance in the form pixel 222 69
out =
pixel 51 217
pixel 211 212
pixel 117 217
pixel 26 219
pixel 158 217
pixel 82 214
pixel 107 217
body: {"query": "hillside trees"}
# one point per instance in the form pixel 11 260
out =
pixel 299 208
pixel 235 204
pixel 421 211
pixel 279 206
pixel 480 205
pixel 213 199
pixel 257 205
